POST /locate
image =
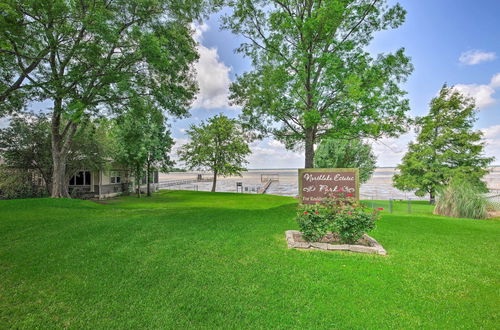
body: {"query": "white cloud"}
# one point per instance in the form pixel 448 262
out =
pixel 473 57
pixel 178 142
pixel 270 153
pixel 211 73
pixel 390 151
pixel 483 94
pixel 495 81
pixel 491 132
pixel 492 138
pixel 275 143
pixel 198 30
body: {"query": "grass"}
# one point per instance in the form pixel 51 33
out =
pixel 202 260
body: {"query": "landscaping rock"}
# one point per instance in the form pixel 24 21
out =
pixel 295 241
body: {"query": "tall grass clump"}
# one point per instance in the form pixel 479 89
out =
pixel 461 199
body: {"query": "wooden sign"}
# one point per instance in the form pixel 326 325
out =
pixel 317 183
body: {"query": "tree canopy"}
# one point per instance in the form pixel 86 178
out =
pixel 25 145
pixel 218 145
pixel 312 76
pixel 143 142
pixel 335 153
pixel 90 58
pixel 446 147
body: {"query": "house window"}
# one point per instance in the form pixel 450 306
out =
pixel 115 177
pixel 82 178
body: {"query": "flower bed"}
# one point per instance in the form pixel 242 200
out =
pixel 331 242
pixel 339 222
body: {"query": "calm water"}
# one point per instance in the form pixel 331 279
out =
pixel 378 187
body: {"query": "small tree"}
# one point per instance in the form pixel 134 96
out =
pixel 142 141
pixel 219 145
pixel 334 153
pixel 159 144
pixel 446 147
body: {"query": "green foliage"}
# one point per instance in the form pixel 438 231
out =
pixel 16 183
pixel 352 223
pixel 338 153
pixel 314 222
pixel 342 215
pixel 461 199
pixel 95 57
pixel 25 145
pixel 93 53
pixel 312 76
pixel 446 147
pixel 219 145
pixel 143 141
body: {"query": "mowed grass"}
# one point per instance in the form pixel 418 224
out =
pixel 203 260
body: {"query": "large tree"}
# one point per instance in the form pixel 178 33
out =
pixel 312 74
pixel 25 145
pixel 219 145
pixel 334 153
pixel 446 147
pixel 90 56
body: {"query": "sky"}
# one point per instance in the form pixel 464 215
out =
pixel 449 41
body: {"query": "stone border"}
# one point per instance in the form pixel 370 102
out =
pixel 376 248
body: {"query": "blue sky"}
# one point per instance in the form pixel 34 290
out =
pixel 449 41
pixel 452 41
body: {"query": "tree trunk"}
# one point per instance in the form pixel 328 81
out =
pixel 148 179
pixel 309 163
pixel 214 182
pixel 59 184
pixel 432 199
pixel 59 154
pixel 138 182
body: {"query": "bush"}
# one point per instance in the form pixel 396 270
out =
pixel 351 225
pixel 18 184
pixel 461 199
pixel 314 222
pixel 342 215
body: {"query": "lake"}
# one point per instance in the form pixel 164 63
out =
pixel 378 187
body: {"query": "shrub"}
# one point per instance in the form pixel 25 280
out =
pixel 18 184
pixel 342 215
pixel 314 222
pixel 351 225
pixel 461 199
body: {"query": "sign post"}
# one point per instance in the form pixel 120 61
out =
pixel 315 184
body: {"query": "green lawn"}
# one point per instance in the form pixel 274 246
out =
pixel 202 260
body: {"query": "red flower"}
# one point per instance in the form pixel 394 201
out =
pixel 341 190
pixel 349 195
pixel 380 209
pixel 306 212
pixel 349 212
pixel 316 212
